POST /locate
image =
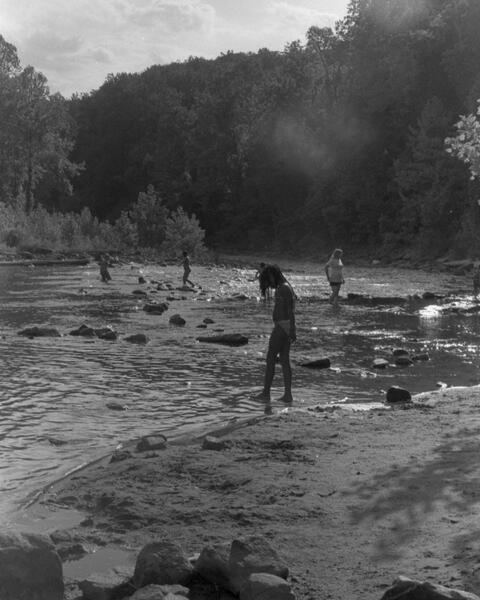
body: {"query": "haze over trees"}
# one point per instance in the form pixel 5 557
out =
pixel 338 141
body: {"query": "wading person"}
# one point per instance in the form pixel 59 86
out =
pixel 334 273
pixel 283 334
pixel 186 269
pixel 104 274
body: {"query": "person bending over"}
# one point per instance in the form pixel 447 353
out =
pixel 283 333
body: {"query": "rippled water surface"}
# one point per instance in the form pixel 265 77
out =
pixel 54 391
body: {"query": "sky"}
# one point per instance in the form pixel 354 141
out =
pixel 77 43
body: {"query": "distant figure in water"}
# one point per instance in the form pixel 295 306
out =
pixel 261 280
pixel 334 273
pixel 283 334
pixel 186 269
pixel 104 274
pixel 476 279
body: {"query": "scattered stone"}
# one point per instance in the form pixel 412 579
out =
pixel 421 357
pixel 115 406
pixel 211 442
pixel 141 279
pixel 403 361
pixel 84 330
pixel 410 589
pixel 208 321
pixel 137 338
pixel 57 441
pixel 30 568
pixel 152 442
pixel 201 326
pixel 114 583
pixel 398 394
pixel 428 296
pixel 162 563
pixel 119 455
pixel 177 320
pixel 319 363
pixel 156 308
pixel 185 288
pixel 441 384
pixel 400 352
pixel 227 339
pixel 264 586
pixel 380 363
pixel 32 332
pixel 139 293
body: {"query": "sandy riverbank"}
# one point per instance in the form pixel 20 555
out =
pixel 349 500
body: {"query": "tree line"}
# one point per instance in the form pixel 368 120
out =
pixel 352 138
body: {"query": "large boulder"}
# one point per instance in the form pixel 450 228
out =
pixel 212 565
pixel 162 563
pixel 410 589
pixel 30 568
pixel 227 339
pixel 264 586
pixel 253 555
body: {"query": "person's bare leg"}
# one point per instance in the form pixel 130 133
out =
pixel 269 367
pixel 287 373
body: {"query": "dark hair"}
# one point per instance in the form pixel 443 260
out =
pixel 271 276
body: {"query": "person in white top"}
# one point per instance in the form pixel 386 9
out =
pixel 334 272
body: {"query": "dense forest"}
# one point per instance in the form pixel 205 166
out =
pixel 353 138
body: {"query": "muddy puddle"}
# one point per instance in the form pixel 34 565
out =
pixel 55 392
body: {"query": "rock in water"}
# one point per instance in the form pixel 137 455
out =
pixel 227 339
pixel 398 394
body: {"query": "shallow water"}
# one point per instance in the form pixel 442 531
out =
pixel 54 391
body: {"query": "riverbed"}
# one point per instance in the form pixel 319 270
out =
pixel 55 393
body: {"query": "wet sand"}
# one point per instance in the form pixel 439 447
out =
pixel 350 500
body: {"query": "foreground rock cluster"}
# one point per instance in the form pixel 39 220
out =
pixel 248 569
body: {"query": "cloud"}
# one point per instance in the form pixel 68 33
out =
pixel 77 43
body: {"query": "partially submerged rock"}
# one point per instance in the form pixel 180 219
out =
pixel 137 338
pixel 152 442
pixel 32 332
pixel 177 320
pixel 398 394
pixel 227 339
pixel 318 363
pixel 156 308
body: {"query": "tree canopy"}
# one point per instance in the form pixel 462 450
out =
pixel 337 141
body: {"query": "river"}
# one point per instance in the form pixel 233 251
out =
pixel 54 391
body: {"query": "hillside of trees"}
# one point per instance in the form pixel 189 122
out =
pixel 338 141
